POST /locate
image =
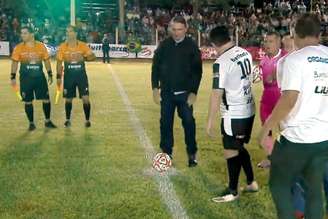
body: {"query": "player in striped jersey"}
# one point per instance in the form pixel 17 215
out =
pixel 232 91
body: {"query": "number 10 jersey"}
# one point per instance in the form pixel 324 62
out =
pixel 232 72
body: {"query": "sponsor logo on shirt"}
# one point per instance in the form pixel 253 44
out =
pixel 74 66
pixel 33 67
pixel 239 56
pixel 317 59
pixel 320 75
pixel 321 90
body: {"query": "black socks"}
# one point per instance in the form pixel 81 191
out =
pixel 46 110
pixel 68 110
pixel 87 109
pixel 29 112
pixel 234 167
pixel 246 163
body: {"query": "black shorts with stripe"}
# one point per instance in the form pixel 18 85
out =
pixel 34 88
pixel 73 81
pixel 236 132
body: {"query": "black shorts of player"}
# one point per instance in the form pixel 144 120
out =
pixel 236 132
pixel 34 88
pixel 73 80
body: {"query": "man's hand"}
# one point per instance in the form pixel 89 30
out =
pixel 156 96
pixel 13 82
pixel 210 130
pixel 191 99
pixel 271 78
pixel 50 80
pixel 59 82
pixel 264 133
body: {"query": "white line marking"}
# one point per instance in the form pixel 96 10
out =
pixel 165 185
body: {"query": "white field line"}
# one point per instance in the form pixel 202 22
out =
pixel 165 186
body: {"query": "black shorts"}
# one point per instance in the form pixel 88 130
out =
pixel 236 132
pixel 34 88
pixel 73 81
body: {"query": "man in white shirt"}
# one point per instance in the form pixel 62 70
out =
pixel 233 93
pixel 302 113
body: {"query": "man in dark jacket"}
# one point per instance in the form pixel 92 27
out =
pixel 105 48
pixel 176 76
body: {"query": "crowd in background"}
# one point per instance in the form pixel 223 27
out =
pixel 249 23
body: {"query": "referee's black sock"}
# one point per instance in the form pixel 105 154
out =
pixel 46 110
pixel 246 163
pixel 68 110
pixel 234 167
pixel 29 112
pixel 87 109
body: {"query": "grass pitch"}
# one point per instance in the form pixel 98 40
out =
pixel 102 172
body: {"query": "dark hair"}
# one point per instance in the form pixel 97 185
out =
pixel 29 29
pixel 273 33
pixel 220 35
pixel 308 25
pixel 179 19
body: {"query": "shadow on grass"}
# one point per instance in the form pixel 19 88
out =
pixel 15 161
pixel 196 182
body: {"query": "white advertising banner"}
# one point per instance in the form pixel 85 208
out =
pixel 121 51
pixel 115 51
pixel 4 48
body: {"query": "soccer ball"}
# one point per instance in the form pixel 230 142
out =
pixel 162 162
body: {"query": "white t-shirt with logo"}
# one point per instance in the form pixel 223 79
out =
pixel 232 73
pixel 306 71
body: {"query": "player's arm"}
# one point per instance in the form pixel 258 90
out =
pixel 213 107
pixel 59 70
pixel 14 68
pixel 272 77
pixel 88 54
pixel 59 65
pixel 197 70
pixel 291 86
pixel 47 64
pixel 14 65
pixel 196 76
pixel 155 72
pixel 215 99
pixel 46 60
pixel 284 106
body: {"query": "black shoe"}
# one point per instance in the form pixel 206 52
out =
pixel 31 127
pixel 67 124
pixel 50 125
pixel 192 161
pixel 87 124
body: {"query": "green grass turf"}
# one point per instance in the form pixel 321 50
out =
pixel 100 172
